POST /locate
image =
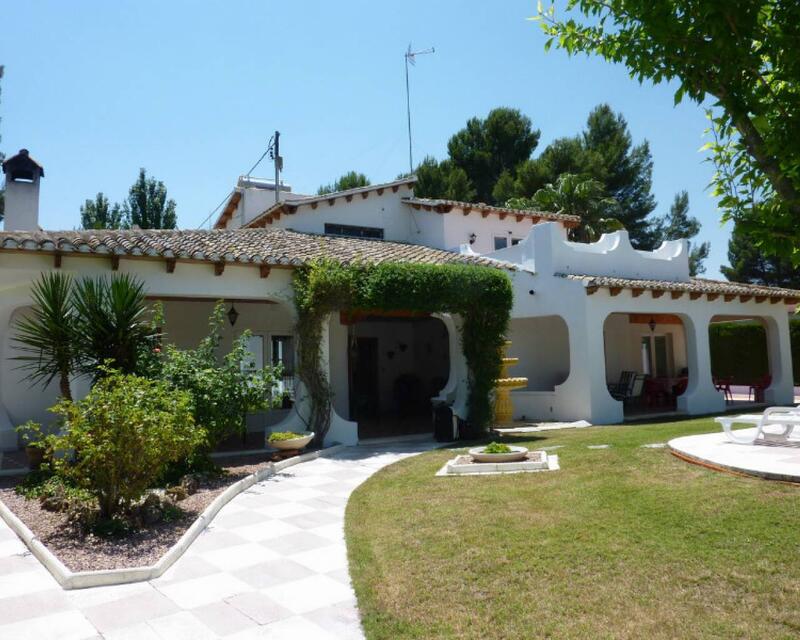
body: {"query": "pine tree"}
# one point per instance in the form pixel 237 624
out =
pixel 677 225
pixel 749 263
pixel 350 180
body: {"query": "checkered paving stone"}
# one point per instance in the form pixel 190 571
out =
pixel 273 563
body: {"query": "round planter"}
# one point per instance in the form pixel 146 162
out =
pixel 516 453
pixel 293 444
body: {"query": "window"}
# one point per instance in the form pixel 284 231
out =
pixel 657 356
pixel 500 242
pixel 353 231
pixel 282 351
pixel 515 241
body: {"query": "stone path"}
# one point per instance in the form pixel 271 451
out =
pixel 273 564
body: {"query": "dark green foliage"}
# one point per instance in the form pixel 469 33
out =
pixel 482 296
pixel 47 337
pixel 740 56
pixel 578 196
pixel 113 322
pixel 147 206
pixel 678 224
pixel 739 350
pixel 350 180
pixel 443 180
pixel 101 214
pixel 749 263
pixel 486 148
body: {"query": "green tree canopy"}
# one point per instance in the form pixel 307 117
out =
pixel 677 225
pixel 741 55
pixel 147 206
pixel 350 180
pixel 578 196
pixel 101 214
pixel 748 263
pixel 443 180
pixel 486 148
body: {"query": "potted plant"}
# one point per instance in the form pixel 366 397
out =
pixel 289 440
pixel 35 444
pixel 498 452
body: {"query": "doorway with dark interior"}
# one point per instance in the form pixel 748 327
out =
pixel 397 362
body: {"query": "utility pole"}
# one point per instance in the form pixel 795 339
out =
pixel 410 57
pixel 275 154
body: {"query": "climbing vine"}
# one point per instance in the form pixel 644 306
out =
pixel 482 296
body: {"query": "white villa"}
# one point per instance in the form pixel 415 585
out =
pixel 585 316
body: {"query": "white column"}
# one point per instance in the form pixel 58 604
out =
pixel 700 396
pixel 584 394
pixel 779 348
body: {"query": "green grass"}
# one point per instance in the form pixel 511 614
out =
pixel 622 542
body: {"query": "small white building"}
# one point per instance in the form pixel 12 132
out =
pixel 584 315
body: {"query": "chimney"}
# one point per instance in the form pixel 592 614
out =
pixel 22 192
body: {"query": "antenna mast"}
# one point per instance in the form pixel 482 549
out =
pixel 410 57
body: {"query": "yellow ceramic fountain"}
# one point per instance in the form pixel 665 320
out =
pixel 503 406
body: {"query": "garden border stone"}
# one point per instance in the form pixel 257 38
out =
pixel 83 579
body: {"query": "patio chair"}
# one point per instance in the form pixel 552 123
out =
pixel 787 418
pixel 757 388
pixel 634 390
pixel 724 385
pixel 622 388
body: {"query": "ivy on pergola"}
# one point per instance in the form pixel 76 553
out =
pixel 481 295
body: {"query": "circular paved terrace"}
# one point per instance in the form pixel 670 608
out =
pixel 715 450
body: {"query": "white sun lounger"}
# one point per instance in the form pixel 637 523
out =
pixel 787 418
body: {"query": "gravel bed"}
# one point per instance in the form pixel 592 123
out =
pixel 140 548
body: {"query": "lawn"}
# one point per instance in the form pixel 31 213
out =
pixel 623 542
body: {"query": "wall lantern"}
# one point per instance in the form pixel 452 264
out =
pixel 652 324
pixel 472 238
pixel 233 315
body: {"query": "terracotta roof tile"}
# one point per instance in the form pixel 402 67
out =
pixel 249 246
pixel 441 205
pixel 693 285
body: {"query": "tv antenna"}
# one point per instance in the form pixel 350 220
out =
pixel 411 58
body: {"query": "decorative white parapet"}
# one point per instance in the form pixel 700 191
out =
pixel 546 250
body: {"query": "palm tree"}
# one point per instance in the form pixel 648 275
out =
pixel 112 320
pixel 579 196
pixel 47 337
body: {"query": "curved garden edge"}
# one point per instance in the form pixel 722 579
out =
pixel 83 579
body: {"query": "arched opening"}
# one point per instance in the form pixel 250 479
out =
pixel 646 361
pixel 740 362
pixel 396 363
pixel 272 341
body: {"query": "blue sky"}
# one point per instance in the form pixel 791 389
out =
pixel 193 90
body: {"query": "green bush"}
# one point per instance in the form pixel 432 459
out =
pixel 279 436
pixel 497 447
pixel 123 434
pixel 222 391
pixel 481 296
pixel 739 350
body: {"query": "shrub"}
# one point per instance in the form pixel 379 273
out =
pixel 223 392
pixel 278 436
pixel 497 447
pixel 123 434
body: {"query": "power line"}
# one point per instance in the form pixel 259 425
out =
pixel 230 193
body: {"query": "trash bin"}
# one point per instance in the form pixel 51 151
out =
pixel 443 423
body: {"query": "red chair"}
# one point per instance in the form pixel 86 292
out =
pixel 724 385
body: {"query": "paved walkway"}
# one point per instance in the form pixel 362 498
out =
pixel 273 564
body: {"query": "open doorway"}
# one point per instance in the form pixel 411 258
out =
pixel 646 361
pixel 396 364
